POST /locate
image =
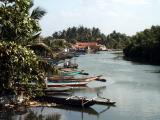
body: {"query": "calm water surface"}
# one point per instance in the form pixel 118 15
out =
pixel 135 87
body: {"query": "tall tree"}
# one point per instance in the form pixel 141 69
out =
pixel 145 46
pixel 19 66
pixel 16 22
pixel 73 34
pixel 117 40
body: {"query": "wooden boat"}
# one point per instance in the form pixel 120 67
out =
pixel 58 93
pixel 69 101
pixel 60 77
pixel 71 84
pixel 71 72
pixel 58 89
pixel 71 66
pixel 76 101
pixel 72 79
pixel 68 64
pixel 104 101
pixel 68 69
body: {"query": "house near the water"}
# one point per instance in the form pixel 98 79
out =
pixel 86 46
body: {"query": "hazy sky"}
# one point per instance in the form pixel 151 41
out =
pixel 125 16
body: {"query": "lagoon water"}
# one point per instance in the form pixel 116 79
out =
pixel 135 87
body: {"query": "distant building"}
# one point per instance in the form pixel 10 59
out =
pixel 93 46
pixel 103 48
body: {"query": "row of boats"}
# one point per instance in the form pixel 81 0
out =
pixel 66 78
pixel 66 81
pixel 70 81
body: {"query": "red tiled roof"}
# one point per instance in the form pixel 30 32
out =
pixel 86 44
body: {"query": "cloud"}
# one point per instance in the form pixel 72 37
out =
pixel 113 14
pixel 133 2
pixel 102 4
pixel 125 15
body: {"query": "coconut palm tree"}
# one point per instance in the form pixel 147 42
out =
pixel 36 14
pixel 18 22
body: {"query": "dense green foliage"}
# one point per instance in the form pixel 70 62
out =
pixel 56 45
pixel 145 46
pixel 116 40
pixel 19 66
pixel 16 21
pixel 79 34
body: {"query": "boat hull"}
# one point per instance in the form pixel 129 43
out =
pixel 70 73
pixel 72 79
pixel 58 89
pixel 75 102
pixel 71 84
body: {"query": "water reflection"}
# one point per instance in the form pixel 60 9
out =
pixel 135 88
pixel 89 89
pixel 27 114
pixel 8 114
pixel 45 113
pixel 153 71
pixel 35 116
pixel 89 110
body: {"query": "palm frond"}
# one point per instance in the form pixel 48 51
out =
pixel 35 36
pixel 38 13
pixel 42 45
pixel 31 4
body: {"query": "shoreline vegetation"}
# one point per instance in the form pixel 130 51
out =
pixel 145 46
pixel 25 55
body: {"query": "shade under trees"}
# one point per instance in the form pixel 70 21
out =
pixel 145 46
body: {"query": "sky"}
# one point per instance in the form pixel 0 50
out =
pixel 125 16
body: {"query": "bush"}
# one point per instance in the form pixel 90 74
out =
pixel 19 67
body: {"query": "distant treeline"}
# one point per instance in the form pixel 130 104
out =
pixel 81 33
pixel 145 46
pixel 114 40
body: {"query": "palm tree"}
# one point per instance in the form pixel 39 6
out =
pixel 36 14
pixel 18 22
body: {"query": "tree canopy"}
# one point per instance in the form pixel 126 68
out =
pixel 81 33
pixel 17 23
pixel 145 46
pixel 114 40
pixel 19 67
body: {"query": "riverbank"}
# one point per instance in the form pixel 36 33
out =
pixel 132 85
pixel 142 60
